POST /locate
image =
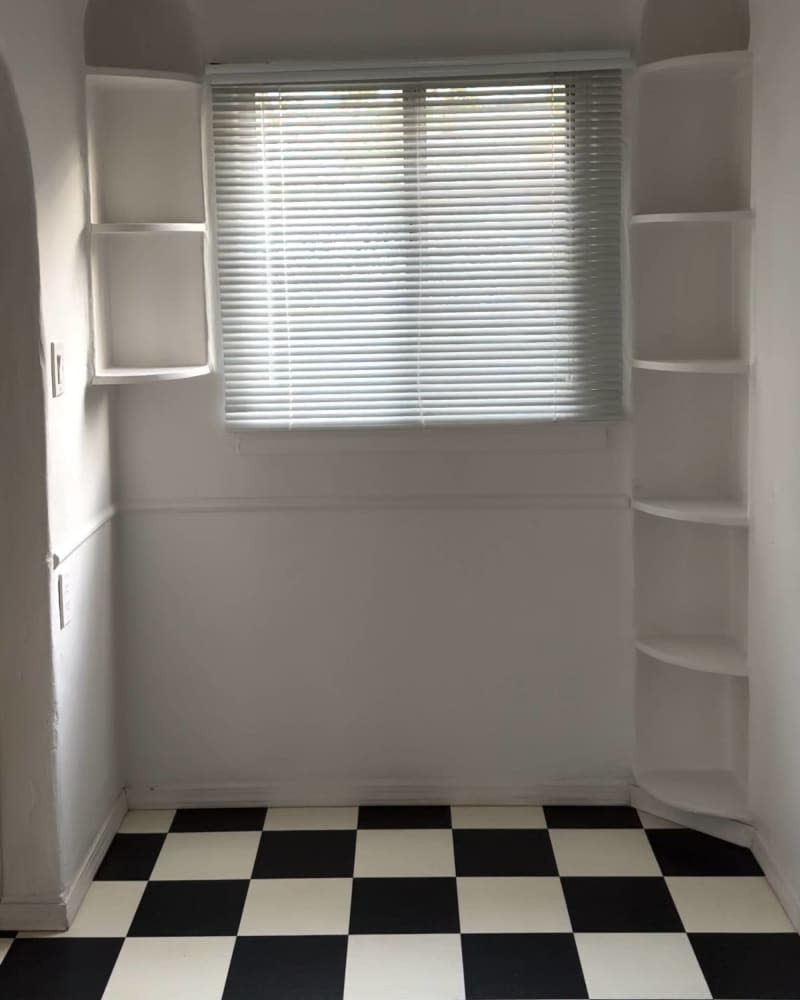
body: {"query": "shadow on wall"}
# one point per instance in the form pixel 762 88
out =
pixel 147 34
pixel 26 797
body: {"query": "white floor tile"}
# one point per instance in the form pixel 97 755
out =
pixel 312 819
pixel 603 852
pixel 640 967
pixel 498 817
pixel 171 969
pixel 404 967
pixel 207 856
pixel 651 822
pixel 148 821
pixel 404 853
pixel 106 911
pixel 297 906
pixel 512 906
pixel 5 944
pixel 728 905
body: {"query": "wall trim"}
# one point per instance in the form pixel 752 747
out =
pixel 374 793
pixel 783 889
pixel 730 830
pixel 70 545
pixel 431 501
pixel 57 914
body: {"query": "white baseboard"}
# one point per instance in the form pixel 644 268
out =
pixel 375 793
pixel 58 914
pixel 782 888
pixel 725 829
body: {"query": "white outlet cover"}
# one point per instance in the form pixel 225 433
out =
pixel 64 599
pixel 57 367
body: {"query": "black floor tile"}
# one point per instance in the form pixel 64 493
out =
pixel 686 852
pixel 503 852
pixel 131 857
pixel 591 817
pixel 620 905
pixel 217 820
pixel 190 909
pixel 521 967
pixel 306 854
pixel 404 906
pixel 287 968
pixel 76 969
pixel 752 966
pixel 404 818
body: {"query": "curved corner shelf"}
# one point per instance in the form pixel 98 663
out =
pixel 143 228
pixel 725 513
pixel 130 376
pixel 701 64
pixel 706 793
pixel 695 366
pixel 114 74
pixel 709 654
pixel 666 218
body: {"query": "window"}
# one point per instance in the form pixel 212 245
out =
pixel 421 252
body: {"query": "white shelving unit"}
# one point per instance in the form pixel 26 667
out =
pixel 690 240
pixel 148 229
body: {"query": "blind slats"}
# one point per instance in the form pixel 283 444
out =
pixel 421 252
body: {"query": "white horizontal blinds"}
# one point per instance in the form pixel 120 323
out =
pixel 420 252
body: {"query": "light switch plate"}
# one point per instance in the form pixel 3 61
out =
pixel 64 599
pixel 57 367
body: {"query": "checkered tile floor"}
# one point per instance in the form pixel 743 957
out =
pixel 429 903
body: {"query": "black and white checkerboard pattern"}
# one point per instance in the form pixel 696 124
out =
pixel 413 903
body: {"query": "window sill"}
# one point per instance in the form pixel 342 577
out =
pixel 476 439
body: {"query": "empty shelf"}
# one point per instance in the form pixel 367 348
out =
pixel 727 513
pixel 713 654
pixel 708 793
pixel 696 366
pixel 123 376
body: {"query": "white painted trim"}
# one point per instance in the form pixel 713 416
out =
pixel 783 889
pixel 730 830
pixel 310 71
pixel 386 792
pixel 432 501
pixel 87 871
pixel 63 551
pixel 58 914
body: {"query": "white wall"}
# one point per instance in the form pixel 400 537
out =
pixel 775 545
pixel 339 617
pixel 41 42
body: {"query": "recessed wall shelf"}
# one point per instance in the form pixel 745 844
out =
pixel 711 792
pixel 672 218
pixel 713 654
pixel 702 64
pixel 148 226
pixel 127 376
pixel 725 513
pixel 695 366
pixel 145 228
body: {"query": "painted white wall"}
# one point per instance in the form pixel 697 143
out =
pixel 775 532
pixel 41 42
pixel 340 616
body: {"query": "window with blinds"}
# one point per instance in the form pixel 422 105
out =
pixel 420 252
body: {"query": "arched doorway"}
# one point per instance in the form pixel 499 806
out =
pixel 28 834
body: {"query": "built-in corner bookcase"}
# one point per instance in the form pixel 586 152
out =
pixel 148 226
pixel 690 274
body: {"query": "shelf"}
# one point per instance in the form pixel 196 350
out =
pixel 114 75
pixel 709 793
pixel 129 376
pixel 696 366
pixel 143 228
pixel 662 218
pixel 701 64
pixel 712 654
pixel 725 513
